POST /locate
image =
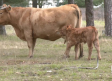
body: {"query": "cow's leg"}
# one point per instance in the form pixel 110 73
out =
pixel 30 46
pixel 68 47
pixel 30 42
pixel 34 41
pixel 90 47
pixel 96 44
pixel 81 50
pixel 76 51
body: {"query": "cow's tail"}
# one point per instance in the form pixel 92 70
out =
pixel 78 25
pixel 78 13
pixel 79 18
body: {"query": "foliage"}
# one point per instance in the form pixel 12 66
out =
pixel 40 3
pixel 81 3
pixel 97 2
pixel 16 2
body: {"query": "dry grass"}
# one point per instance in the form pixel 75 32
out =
pixel 48 63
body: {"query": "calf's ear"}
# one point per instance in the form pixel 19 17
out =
pixel 8 8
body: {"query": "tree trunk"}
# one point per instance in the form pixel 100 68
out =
pixel 108 17
pixel 2 28
pixel 89 13
pixel 35 3
pixel 40 3
pixel 70 1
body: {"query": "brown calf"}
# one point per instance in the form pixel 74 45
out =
pixel 75 36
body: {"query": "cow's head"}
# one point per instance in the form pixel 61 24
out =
pixel 4 14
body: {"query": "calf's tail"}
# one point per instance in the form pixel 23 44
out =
pixel 96 34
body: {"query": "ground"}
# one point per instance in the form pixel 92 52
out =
pixel 48 63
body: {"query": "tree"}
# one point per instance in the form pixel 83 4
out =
pixel 22 3
pixel 35 3
pixel 2 27
pixel 89 13
pixel 40 3
pixel 70 1
pixel 108 17
pixel 81 3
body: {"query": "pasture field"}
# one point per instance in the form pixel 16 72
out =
pixel 48 63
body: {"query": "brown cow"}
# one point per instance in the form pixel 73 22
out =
pixel 75 36
pixel 32 23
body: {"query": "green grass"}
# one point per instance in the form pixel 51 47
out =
pixel 48 63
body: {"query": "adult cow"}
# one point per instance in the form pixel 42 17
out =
pixel 32 23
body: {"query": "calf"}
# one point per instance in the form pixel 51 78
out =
pixel 75 36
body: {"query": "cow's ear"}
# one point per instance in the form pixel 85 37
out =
pixel 4 5
pixel 8 8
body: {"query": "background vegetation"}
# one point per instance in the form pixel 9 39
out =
pixel 80 3
pixel 17 2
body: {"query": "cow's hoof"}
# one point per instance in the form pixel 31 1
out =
pixel 76 58
pixel 30 56
pixel 89 58
pixel 67 56
pixel 81 56
pixel 99 57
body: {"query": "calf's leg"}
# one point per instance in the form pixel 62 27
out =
pixel 90 46
pixel 68 47
pixel 76 51
pixel 96 44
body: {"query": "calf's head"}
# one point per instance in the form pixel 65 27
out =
pixel 66 29
pixel 69 28
pixel 4 14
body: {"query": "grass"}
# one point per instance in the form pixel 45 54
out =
pixel 48 63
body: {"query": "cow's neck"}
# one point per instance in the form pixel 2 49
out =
pixel 15 15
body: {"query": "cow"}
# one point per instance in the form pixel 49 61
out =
pixel 75 36
pixel 32 23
